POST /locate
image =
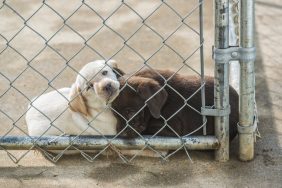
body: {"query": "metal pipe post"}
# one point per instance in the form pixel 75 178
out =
pixel 247 82
pixel 203 97
pixel 221 83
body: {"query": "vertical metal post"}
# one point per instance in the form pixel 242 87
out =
pixel 203 97
pixel 247 81
pixel 221 83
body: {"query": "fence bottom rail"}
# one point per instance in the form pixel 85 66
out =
pixel 95 142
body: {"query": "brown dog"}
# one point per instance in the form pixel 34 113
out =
pixel 148 117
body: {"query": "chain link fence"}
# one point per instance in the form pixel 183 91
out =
pixel 44 45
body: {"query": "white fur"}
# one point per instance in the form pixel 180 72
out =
pixel 44 115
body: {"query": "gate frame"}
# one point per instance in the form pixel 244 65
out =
pixel 221 78
pixel 222 54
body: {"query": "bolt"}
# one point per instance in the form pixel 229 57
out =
pixel 234 54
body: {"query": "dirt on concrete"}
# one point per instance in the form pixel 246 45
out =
pixel 49 68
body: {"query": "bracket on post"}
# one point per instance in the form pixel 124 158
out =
pixel 211 111
pixel 233 53
pixel 250 129
pixel 247 130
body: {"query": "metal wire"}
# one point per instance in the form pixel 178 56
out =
pixel 181 20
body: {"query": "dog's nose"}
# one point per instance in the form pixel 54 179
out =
pixel 108 88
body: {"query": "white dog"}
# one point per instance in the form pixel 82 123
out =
pixel 70 111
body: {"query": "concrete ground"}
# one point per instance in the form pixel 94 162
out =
pixel 33 170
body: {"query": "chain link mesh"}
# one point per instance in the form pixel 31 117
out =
pixel 28 45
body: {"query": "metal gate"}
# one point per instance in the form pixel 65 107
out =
pixel 223 53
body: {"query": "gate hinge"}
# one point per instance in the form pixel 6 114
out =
pixel 234 53
pixel 211 111
pixel 252 129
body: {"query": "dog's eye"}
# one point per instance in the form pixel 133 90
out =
pixel 105 73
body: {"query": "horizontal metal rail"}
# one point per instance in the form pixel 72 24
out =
pixel 96 142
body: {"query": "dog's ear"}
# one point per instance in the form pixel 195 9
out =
pixel 119 73
pixel 112 63
pixel 114 66
pixel 77 101
pixel 146 89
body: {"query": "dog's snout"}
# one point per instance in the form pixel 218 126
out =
pixel 108 88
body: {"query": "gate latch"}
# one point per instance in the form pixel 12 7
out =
pixel 233 53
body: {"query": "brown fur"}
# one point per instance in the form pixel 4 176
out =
pixel 129 102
